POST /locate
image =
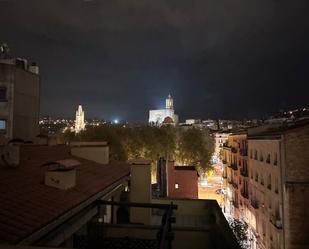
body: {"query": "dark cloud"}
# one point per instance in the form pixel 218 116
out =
pixel 120 58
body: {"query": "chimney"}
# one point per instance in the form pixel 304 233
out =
pixel 34 68
pixel 61 174
pixel 140 190
pixel 93 151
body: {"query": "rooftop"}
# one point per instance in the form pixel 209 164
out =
pixel 27 204
pixel 276 130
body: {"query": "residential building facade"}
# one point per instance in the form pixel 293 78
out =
pixel 267 179
pixel 19 100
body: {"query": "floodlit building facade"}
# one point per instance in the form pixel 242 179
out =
pixel 164 116
pixel 267 179
pixel 235 174
pixel 19 100
pixel 220 138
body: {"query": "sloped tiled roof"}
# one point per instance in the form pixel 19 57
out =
pixel 26 204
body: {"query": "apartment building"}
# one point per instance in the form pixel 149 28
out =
pixel 266 176
pixel 19 100
pixel 278 172
pixel 235 174
pixel 219 139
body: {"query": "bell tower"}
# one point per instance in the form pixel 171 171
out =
pixel 169 102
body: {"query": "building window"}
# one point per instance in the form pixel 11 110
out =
pixel 176 186
pixel 251 154
pixel 276 185
pixel 275 159
pixel 262 180
pixel 3 94
pixel 255 154
pixel 268 159
pixel 269 182
pixel 261 157
pixel 2 125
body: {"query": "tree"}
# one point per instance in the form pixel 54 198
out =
pixel 195 148
pixel 240 229
pixel 190 147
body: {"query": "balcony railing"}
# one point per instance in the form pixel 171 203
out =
pixel 255 204
pixel 97 236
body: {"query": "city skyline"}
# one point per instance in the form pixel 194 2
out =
pixel 236 60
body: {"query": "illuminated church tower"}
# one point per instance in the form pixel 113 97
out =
pixel 79 119
pixel 169 102
pixel 164 116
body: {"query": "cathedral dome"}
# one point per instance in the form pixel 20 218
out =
pixel 168 120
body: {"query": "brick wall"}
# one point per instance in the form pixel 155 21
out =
pixel 296 187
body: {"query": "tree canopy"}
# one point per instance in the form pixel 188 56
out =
pixel 189 146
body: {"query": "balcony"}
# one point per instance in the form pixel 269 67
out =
pixel 245 194
pixel 234 150
pixel 235 204
pixel 172 224
pixel 233 166
pixel 225 145
pixel 244 172
pixel 234 185
pixel 255 204
pixel 276 221
pixel 243 152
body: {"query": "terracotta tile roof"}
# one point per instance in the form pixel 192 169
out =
pixel 26 204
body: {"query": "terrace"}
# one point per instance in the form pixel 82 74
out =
pixel 173 224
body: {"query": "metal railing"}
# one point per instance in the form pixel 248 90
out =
pixel 162 240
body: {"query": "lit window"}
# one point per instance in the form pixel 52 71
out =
pixel 176 185
pixel 2 125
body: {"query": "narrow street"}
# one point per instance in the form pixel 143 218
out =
pixel 209 191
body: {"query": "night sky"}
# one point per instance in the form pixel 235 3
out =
pixel 218 59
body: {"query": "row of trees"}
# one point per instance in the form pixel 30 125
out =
pixel 186 146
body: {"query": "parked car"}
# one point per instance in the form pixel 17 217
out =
pixel 220 191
